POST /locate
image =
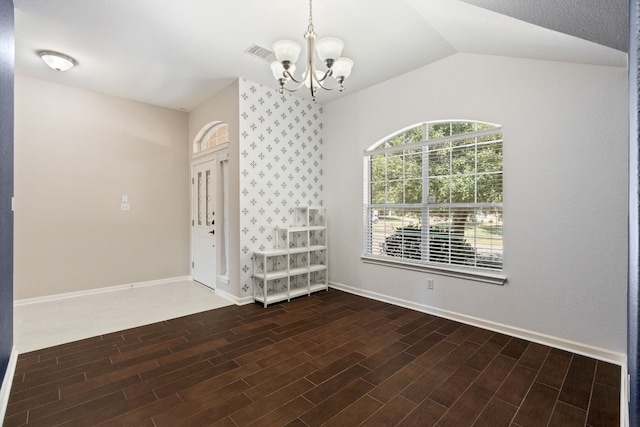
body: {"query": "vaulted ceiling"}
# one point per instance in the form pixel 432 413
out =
pixel 177 54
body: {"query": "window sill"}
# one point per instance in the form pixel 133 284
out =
pixel 460 273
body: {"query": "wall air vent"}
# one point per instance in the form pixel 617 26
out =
pixel 260 52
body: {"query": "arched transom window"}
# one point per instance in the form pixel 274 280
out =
pixel 214 134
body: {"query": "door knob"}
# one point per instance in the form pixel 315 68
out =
pixel 213 232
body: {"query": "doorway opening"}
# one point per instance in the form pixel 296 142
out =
pixel 209 205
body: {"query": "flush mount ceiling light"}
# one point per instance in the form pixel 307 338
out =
pixel 56 60
pixel 329 50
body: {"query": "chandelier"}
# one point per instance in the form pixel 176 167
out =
pixel 329 50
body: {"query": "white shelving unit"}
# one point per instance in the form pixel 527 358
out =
pixel 298 264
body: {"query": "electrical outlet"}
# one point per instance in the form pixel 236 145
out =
pixel 429 283
pixel 124 207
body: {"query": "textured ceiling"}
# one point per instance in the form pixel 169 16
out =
pixel 178 54
pixel 605 22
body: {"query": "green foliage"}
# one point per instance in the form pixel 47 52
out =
pixel 459 168
pixel 406 137
pixel 397 177
pixel 468 170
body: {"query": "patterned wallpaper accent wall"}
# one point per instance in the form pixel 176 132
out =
pixel 281 166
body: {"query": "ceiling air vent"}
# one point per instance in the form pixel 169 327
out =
pixel 260 52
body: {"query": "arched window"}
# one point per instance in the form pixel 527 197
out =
pixel 215 133
pixel 433 195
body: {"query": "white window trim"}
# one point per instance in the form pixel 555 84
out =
pixel 424 143
pixel 210 151
pixel 476 275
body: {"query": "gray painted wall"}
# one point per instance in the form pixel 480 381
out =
pixel 633 303
pixel 565 190
pixel 6 182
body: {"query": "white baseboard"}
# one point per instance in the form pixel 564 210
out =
pixel 234 299
pixel 246 300
pixel 227 296
pixel 7 382
pixel 224 280
pixel 572 346
pixel 66 295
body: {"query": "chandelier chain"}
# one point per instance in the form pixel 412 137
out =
pixel 310 27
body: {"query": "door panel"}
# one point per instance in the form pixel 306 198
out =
pixel 203 237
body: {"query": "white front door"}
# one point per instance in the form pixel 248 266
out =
pixel 203 237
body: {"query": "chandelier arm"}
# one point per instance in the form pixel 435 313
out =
pixel 287 89
pixel 300 83
pixel 290 89
pixel 327 73
pixel 290 76
pixel 328 88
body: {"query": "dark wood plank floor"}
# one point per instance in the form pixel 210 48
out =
pixel 330 359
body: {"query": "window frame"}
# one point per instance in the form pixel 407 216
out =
pixel 450 268
pixel 205 136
